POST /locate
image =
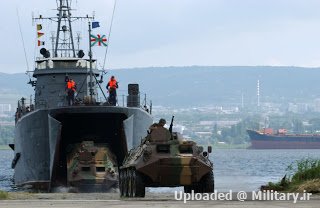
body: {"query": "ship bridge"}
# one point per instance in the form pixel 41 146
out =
pixel 51 75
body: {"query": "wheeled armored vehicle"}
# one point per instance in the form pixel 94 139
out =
pixel 165 159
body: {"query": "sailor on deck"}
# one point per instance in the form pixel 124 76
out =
pixel 71 89
pixel 112 88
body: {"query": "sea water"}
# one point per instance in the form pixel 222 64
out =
pixel 234 169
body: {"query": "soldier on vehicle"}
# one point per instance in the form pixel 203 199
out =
pixel 158 133
pixel 71 89
pixel 112 88
pixel 161 123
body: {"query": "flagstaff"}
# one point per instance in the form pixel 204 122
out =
pixel 90 61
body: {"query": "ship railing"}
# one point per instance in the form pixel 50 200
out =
pixel 23 108
pixel 125 100
pixel 62 64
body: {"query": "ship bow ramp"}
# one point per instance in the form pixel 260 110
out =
pixel 56 132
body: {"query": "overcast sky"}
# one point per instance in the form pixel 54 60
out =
pixel 177 32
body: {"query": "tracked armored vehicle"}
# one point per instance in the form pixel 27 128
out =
pixel 166 159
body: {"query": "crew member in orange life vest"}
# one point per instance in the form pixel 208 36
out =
pixel 71 89
pixel 111 87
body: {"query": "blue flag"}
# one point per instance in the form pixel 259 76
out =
pixel 95 24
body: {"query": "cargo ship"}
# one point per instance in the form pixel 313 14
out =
pixel 269 139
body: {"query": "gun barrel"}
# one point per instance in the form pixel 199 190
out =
pixel 171 124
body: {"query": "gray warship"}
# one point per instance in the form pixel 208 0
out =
pixel 80 145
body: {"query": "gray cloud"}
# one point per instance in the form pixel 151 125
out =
pixel 180 32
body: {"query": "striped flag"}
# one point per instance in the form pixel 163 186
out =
pixel 40 43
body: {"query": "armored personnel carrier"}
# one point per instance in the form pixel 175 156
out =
pixel 165 159
pixel 91 167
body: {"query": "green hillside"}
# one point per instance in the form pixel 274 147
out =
pixel 190 86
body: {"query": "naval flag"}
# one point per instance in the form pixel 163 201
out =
pixel 98 39
pixel 95 24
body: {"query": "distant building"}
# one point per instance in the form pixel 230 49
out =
pixel 317 105
pixel 298 107
pixel 203 134
pixel 224 123
pixel 207 123
pixel 5 108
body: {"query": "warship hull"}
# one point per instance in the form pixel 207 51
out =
pixel 283 141
pixel 42 139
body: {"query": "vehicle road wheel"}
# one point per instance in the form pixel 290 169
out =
pixel 133 183
pixel 196 188
pixel 126 183
pixel 121 183
pixel 207 182
pixel 130 183
pixel 139 185
pixel 187 189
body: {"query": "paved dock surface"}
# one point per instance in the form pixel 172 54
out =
pixel 100 200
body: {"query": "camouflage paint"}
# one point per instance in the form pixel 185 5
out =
pixel 90 163
pixel 179 162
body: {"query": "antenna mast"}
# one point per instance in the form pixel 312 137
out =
pixel 64 41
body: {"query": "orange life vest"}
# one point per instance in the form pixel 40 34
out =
pixel 113 83
pixel 71 85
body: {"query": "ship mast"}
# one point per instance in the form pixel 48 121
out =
pixel 64 41
pixel 90 56
pixel 64 16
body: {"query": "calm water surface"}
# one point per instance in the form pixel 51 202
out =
pixel 247 170
pixel 6 173
pixel 237 169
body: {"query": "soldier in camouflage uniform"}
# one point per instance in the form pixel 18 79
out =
pixel 161 123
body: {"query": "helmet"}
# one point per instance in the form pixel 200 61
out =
pixel 162 121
